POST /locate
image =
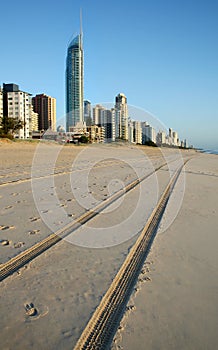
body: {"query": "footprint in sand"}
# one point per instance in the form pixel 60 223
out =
pixel 9 207
pixel 15 194
pixel 4 242
pixel 33 232
pixel 19 244
pixel 32 219
pixel 63 205
pixel 3 227
pixel 45 211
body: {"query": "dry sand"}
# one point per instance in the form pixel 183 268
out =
pixel 66 283
pixel 178 307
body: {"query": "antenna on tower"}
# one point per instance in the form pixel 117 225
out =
pixel 81 28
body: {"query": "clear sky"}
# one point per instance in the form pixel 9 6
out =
pixel 162 54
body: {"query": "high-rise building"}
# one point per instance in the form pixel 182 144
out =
pixel 161 138
pixel 148 133
pixel 1 103
pixel 87 113
pixel 17 104
pixel 130 131
pixel 122 121
pixel 137 132
pixel 105 118
pixel 34 125
pixel 45 106
pixel 175 138
pixel 98 115
pixel 109 124
pixel 74 82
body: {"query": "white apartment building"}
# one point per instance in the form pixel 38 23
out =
pixel 148 133
pixel 97 115
pixel 137 132
pixel 130 131
pixel 18 105
pixel 1 103
pixel 121 105
pixel 175 139
pixel 161 138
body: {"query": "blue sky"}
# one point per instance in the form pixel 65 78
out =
pixel 162 54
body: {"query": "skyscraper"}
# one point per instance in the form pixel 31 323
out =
pixel 74 82
pixel 121 106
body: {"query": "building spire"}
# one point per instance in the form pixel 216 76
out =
pixel 81 29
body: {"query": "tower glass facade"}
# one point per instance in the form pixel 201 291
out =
pixel 74 83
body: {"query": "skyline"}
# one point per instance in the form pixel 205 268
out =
pixel 163 57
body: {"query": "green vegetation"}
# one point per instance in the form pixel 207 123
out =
pixel 8 126
pixel 83 139
pixel 150 143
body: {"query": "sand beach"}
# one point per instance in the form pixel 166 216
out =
pixel 44 187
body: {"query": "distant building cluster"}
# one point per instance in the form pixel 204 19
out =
pixel 100 124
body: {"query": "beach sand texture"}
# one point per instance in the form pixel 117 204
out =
pixel 66 283
pixel 177 307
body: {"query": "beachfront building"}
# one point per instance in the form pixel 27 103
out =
pixel 45 106
pixel 87 113
pixel 109 124
pixel 175 139
pixel 74 82
pixel 78 130
pixel 98 115
pixel 161 138
pixel 122 116
pixel 105 118
pixel 137 132
pixel 148 133
pixel 34 125
pixel 117 123
pixel 96 133
pixel 1 103
pixel 17 104
pixel 130 131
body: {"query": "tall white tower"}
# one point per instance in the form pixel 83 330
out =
pixel 122 112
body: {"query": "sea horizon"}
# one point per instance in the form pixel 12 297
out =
pixel 210 151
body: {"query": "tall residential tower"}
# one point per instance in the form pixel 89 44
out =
pixel 74 82
pixel 45 106
pixel 121 116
